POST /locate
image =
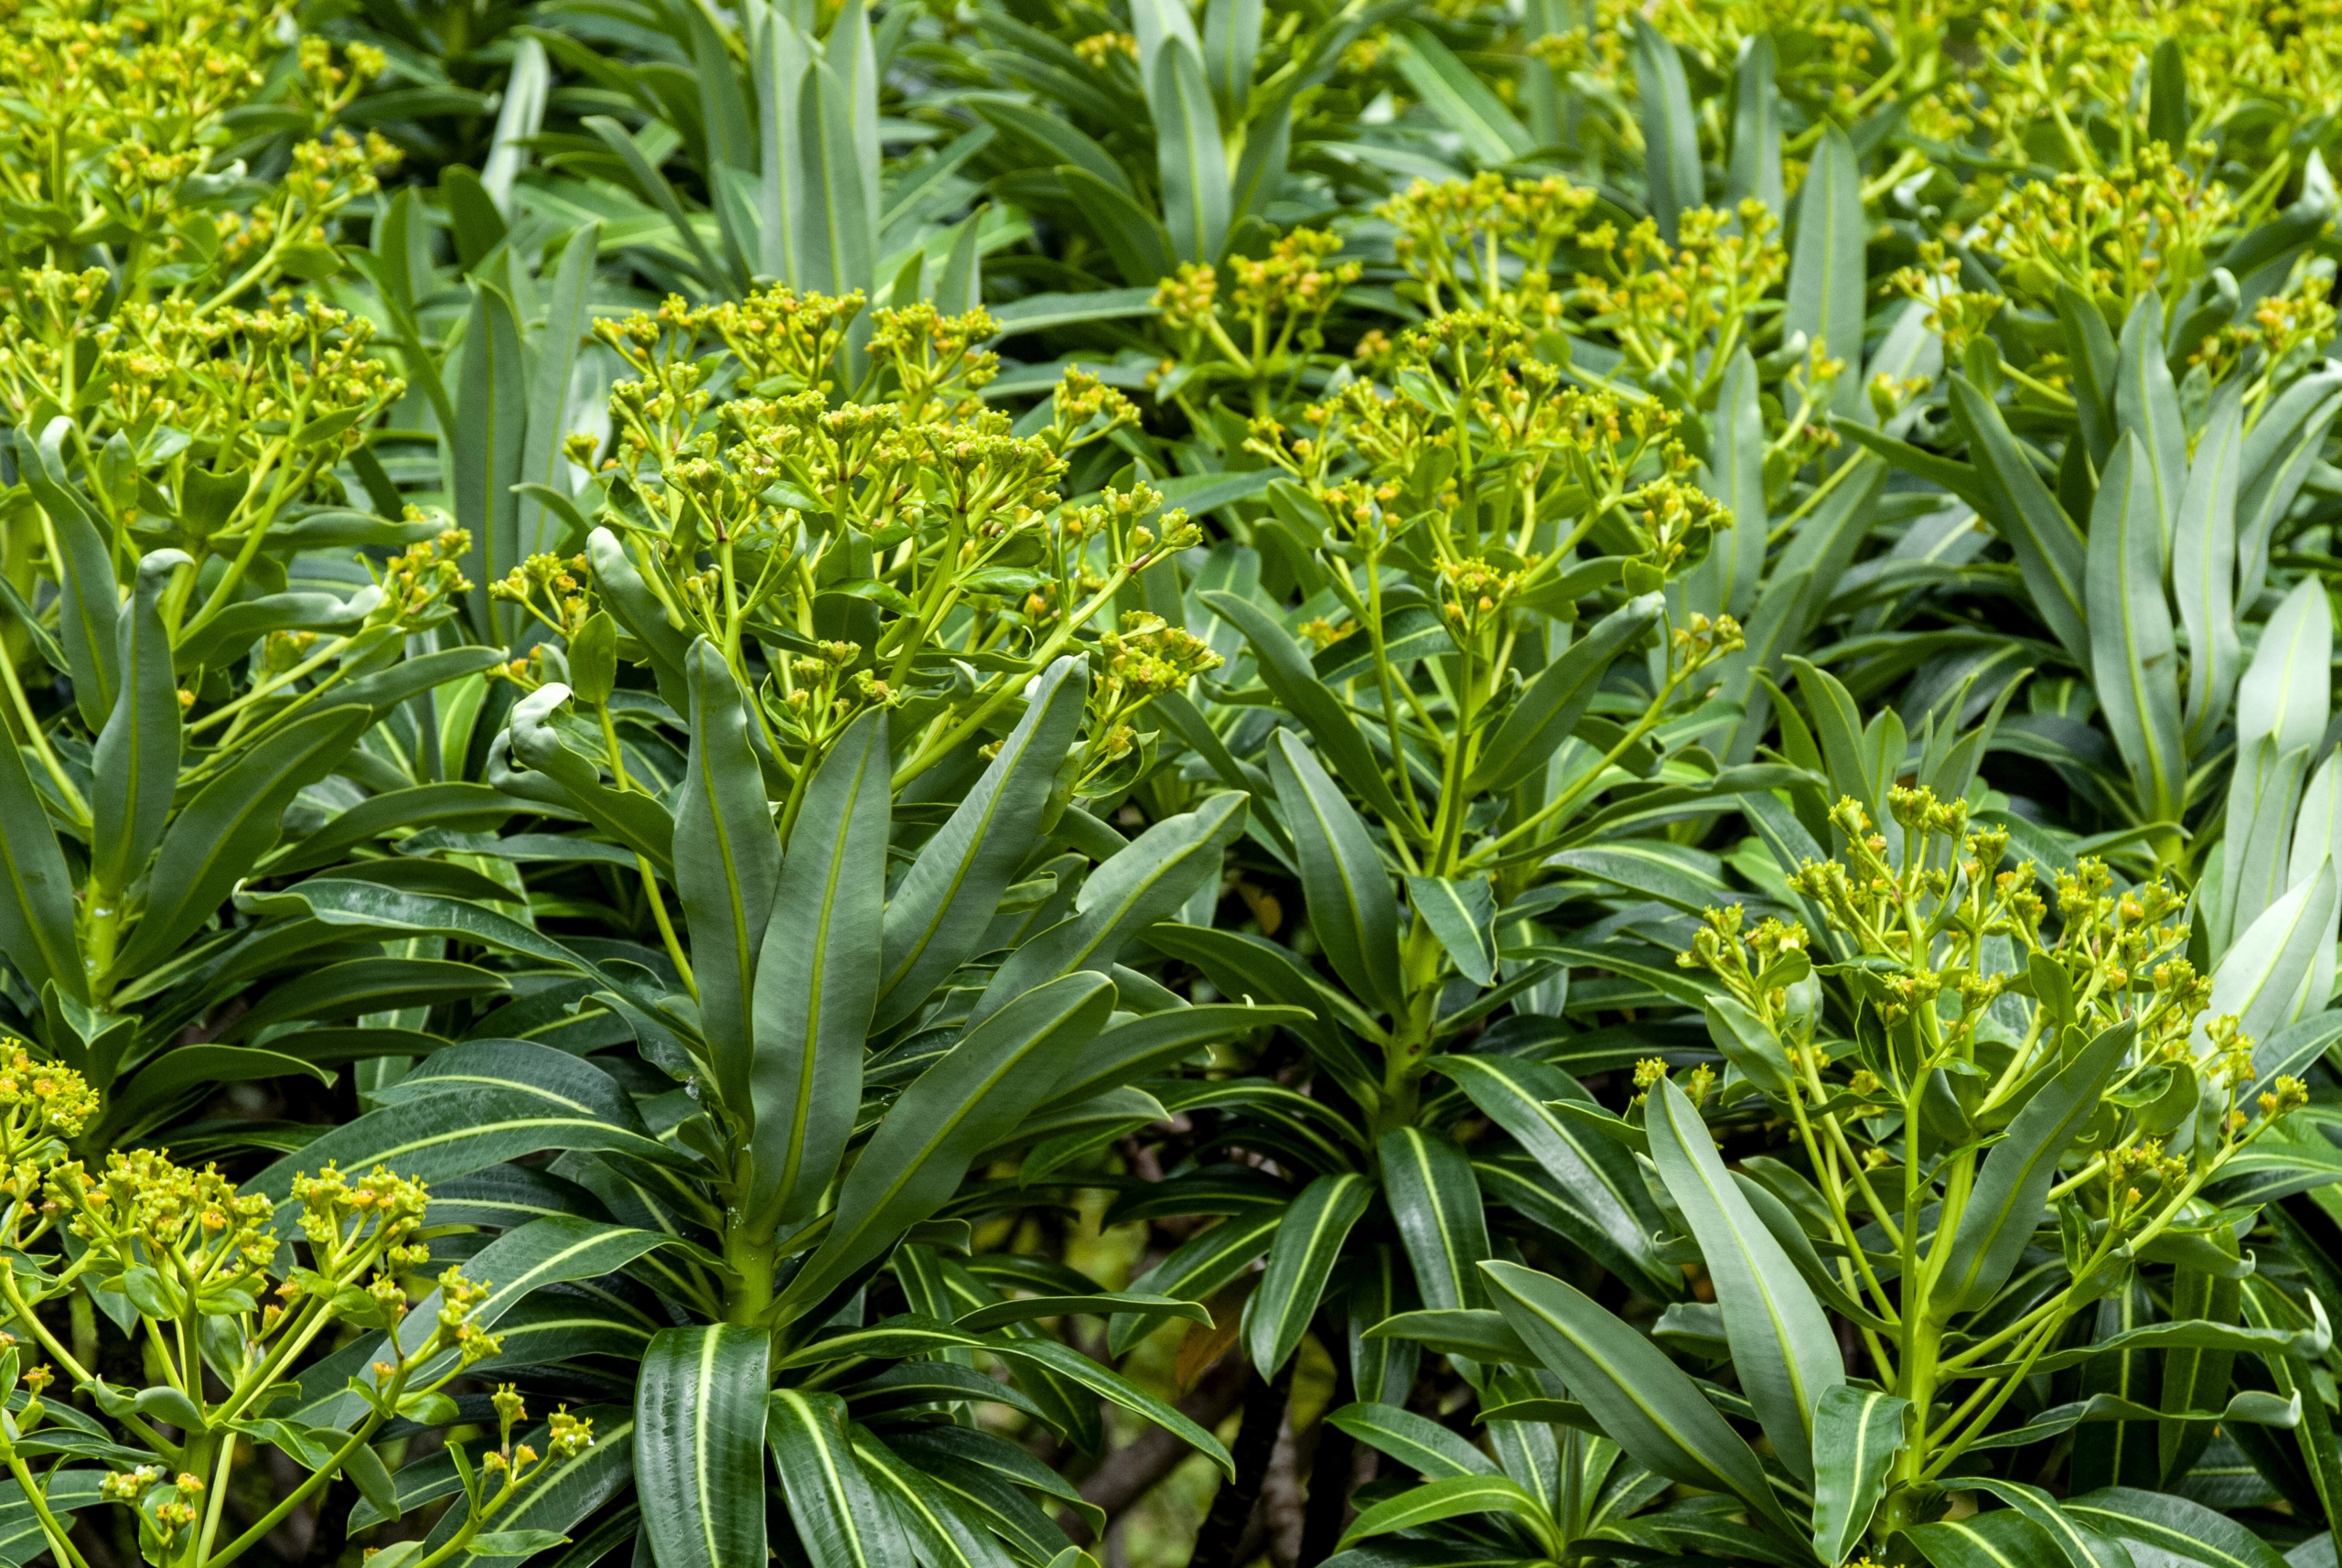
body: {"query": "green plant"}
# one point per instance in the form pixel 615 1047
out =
pixel 792 817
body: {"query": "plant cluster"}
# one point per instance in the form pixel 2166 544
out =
pixel 1391 784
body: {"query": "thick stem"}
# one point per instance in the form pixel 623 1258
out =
pixel 1329 1477
pixel 1231 1509
pixel 748 1297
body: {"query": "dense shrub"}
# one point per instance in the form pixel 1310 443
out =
pixel 1400 786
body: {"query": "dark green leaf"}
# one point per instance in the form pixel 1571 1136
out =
pixel 1307 1246
pixel 699 1413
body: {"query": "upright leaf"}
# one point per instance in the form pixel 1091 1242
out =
pixel 936 917
pixel 836 240
pixel 1188 154
pixel 566 322
pixel 1672 183
pixel 1148 880
pixel 1458 913
pixel 781 54
pixel 1755 170
pixel 1549 708
pixel 1826 280
pixel 2278 455
pixel 817 975
pixel 1231 44
pixel 2133 651
pixel 727 864
pixel 2012 1189
pixel 488 443
pixel 1781 1344
pixel 2090 350
pixel 2167 118
pixel 135 766
pixel 2203 565
pixel 2264 791
pixel 2146 406
pixel 1350 905
pixel 2264 980
pixel 630 598
pixel 215 841
pixel 1725 580
pixel 2287 687
pixel 853 54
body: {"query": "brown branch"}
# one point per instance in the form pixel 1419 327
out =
pixel 1329 1511
pixel 1222 1535
pixel 1136 1468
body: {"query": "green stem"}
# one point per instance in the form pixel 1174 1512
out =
pixel 316 1483
pixel 59 1539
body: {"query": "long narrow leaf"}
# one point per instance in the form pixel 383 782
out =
pixel 699 1413
pixel 817 977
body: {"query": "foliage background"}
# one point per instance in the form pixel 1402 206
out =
pixel 1777 406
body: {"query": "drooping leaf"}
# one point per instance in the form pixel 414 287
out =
pixel 840 1520
pixel 1428 1184
pixel 1644 1402
pixel 1461 100
pixel 1453 1497
pixel 1593 1175
pixel 698 1412
pixel 1857 1434
pixel 1999 1539
pixel 1417 1442
pixel 2176 1525
pixel 2049 550
pixel 37 934
pixel 89 594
